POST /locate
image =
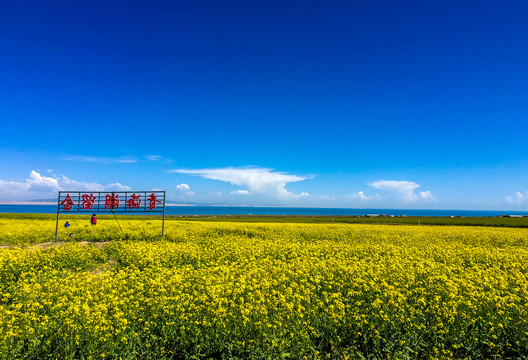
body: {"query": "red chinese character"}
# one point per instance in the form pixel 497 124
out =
pixel 67 203
pixel 88 201
pixel 152 201
pixel 111 201
pixel 134 201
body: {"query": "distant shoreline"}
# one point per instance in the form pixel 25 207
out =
pixel 45 207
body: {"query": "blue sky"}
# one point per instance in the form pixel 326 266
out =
pixel 380 104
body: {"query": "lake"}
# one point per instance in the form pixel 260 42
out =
pixel 249 210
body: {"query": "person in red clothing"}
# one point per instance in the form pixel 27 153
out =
pixel 93 220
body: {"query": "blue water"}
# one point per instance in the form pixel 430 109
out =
pixel 238 210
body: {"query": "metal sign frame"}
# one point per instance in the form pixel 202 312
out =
pixel 125 202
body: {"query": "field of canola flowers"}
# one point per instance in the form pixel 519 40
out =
pixel 261 291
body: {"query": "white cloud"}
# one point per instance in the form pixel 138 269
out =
pixel 326 197
pixel 184 190
pixel 302 195
pixel 116 187
pixel 38 186
pixel 518 198
pixel 215 193
pixel 41 183
pixel 183 187
pixel 101 159
pixel 239 192
pixel 69 184
pixel 404 190
pixel 12 190
pixel 361 196
pixel 154 157
pixel 130 159
pixel 257 180
pixel 427 196
pixel 158 158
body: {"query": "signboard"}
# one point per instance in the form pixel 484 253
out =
pixel 111 202
pixel 117 201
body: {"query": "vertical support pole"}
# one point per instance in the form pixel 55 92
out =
pixel 163 223
pixel 57 223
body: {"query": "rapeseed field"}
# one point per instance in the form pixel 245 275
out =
pixel 261 291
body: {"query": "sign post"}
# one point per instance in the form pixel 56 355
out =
pixel 127 202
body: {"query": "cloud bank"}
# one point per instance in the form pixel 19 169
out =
pixel 38 187
pixel 257 180
pixel 403 190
